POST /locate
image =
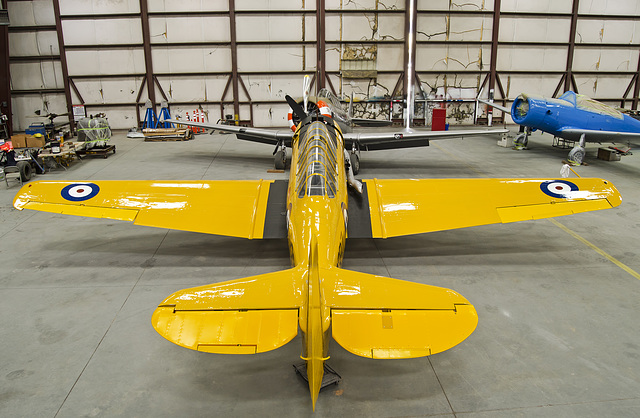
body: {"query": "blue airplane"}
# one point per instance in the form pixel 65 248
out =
pixel 573 117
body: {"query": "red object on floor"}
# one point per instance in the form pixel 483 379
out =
pixel 439 119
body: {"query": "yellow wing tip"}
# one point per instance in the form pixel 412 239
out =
pixel 615 198
pixel 21 198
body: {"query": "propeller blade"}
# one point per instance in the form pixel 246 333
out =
pixel 350 111
pixel 306 87
pixel 297 109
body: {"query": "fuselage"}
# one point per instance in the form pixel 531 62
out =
pixel 317 195
pixel 570 115
pixel 316 222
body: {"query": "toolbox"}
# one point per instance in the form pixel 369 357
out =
pixel 36 128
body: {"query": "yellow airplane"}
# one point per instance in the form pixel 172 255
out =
pixel 370 316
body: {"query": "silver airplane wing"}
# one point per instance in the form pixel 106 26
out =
pixel 365 140
pixel 371 122
pixel 497 106
pixel 264 136
pixel 592 135
pixel 407 139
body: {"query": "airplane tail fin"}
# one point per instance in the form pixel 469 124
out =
pixel 383 318
pixel 315 348
pixel 244 316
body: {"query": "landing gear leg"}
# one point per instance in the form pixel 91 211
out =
pixel 576 155
pixel 522 139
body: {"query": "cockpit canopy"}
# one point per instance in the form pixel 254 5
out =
pixel 582 102
pixel 327 95
pixel 317 170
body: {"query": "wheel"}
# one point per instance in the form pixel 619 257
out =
pixel 521 141
pixel 355 163
pixel 25 170
pixel 280 160
pixel 576 155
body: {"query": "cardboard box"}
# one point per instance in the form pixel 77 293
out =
pixel 19 141
pixel 606 154
pixel 33 142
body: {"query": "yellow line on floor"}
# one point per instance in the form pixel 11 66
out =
pixel 596 249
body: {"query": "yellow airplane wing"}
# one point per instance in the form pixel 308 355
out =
pixel 247 209
pixel 244 316
pixel 403 207
pixel 383 318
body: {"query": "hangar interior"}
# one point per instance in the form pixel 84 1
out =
pixel 557 299
pixel 241 57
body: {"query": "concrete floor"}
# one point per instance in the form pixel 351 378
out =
pixel 559 322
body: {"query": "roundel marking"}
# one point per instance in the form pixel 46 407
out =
pixel 558 188
pixel 79 192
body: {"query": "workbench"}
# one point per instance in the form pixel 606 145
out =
pixel 63 159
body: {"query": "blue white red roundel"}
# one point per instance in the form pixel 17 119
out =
pixel 80 191
pixel 558 188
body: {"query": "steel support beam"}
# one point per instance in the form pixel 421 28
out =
pixel 5 84
pixel 569 79
pixel 234 60
pixel 148 62
pixel 636 89
pixel 63 64
pixel 493 63
pixel 320 47
pixel 244 88
pixel 410 20
pixel 631 85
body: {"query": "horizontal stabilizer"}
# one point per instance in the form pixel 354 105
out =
pixel 390 334
pixel 227 332
pixel 378 317
pixel 245 316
